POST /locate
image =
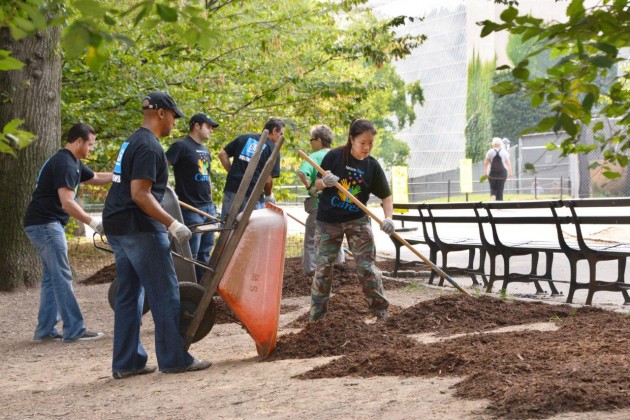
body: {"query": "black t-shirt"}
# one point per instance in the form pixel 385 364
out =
pixel 140 157
pixel 359 177
pixel 191 165
pixel 61 170
pixel 242 150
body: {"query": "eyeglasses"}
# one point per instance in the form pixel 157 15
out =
pixel 312 140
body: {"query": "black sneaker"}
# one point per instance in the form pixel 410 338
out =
pixel 49 338
pixel 142 371
pixel 87 336
pixel 194 366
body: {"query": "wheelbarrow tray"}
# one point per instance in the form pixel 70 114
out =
pixel 252 283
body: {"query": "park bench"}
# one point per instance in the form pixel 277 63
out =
pixel 430 216
pixel 492 239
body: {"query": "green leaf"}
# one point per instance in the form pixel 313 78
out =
pixel 483 178
pixel 90 8
pixel 9 63
pixel 529 167
pixel 587 102
pixel 76 40
pixel 12 126
pixel 607 48
pixel 546 123
pixel 537 100
pixel 509 14
pixel 520 73
pixel 568 125
pixel 488 28
pixel 611 174
pixel 168 14
pixel 551 146
pixel 601 61
pixel 16 32
pixel 575 9
pixel 599 125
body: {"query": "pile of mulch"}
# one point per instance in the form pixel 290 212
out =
pixel 296 283
pixel 457 313
pixel 349 302
pixel 580 367
pixel 105 275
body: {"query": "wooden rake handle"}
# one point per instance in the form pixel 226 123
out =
pixel 380 222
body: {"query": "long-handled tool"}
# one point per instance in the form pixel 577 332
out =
pixel 196 210
pixel 380 222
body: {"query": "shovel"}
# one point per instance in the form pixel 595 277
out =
pixel 380 222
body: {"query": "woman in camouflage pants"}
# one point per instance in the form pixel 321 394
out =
pixel 353 167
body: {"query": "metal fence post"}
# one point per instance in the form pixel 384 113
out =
pixel 448 191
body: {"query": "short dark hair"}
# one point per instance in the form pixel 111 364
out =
pixel 80 131
pixel 276 123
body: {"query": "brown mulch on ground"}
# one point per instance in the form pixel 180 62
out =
pixel 454 314
pixel 296 283
pixel 581 367
pixel 105 275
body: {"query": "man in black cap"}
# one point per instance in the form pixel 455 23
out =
pixel 191 163
pixel 135 224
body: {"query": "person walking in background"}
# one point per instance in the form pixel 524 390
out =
pixel 50 209
pixel 498 168
pixel 191 161
pixel 337 216
pixel 135 225
pixel 241 151
pixel 321 140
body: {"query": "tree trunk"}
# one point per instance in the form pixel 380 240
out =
pixel 32 94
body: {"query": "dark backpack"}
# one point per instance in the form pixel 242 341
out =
pixel 497 170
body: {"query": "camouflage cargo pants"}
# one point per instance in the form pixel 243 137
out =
pixel 361 243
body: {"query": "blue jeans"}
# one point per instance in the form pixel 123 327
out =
pixel 57 301
pixel 228 199
pixel 200 244
pixel 144 265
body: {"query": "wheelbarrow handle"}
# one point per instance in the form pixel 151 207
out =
pixel 380 222
pixel 97 246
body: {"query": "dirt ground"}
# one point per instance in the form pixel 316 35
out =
pixel 439 355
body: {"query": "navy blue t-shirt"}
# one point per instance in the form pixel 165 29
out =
pixel 61 170
pixel 191 165
pixel 242 150
pixel 359 177
pixel 140 157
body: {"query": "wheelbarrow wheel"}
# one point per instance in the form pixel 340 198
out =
pixel 190 295
pixel 111 297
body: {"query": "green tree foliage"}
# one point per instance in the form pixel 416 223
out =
pixel 587 46
pixel 479 108
pixel 512 114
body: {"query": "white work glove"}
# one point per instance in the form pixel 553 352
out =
pixel 329 179
pixel 97 227
pixel 270 199
pixel 180 232
pixel 388 226
pixel 313 191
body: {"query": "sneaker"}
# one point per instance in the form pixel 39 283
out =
pixel 142 371
pixel 87 336
pixel 49 338
pixel 194 366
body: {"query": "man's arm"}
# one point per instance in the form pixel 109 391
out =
pixel 486 163
pixel 141 195
pixel 268 188
pixel 66 196
pixel 100 178
pixel 225 160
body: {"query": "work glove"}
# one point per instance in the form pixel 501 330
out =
pixel 270 199
pixel 388 226
pixel 97 227
pixel 180 232
pixel 313 191
pixel 329 179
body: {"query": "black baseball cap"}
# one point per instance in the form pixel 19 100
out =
pixel 162 100
pixel 202 118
